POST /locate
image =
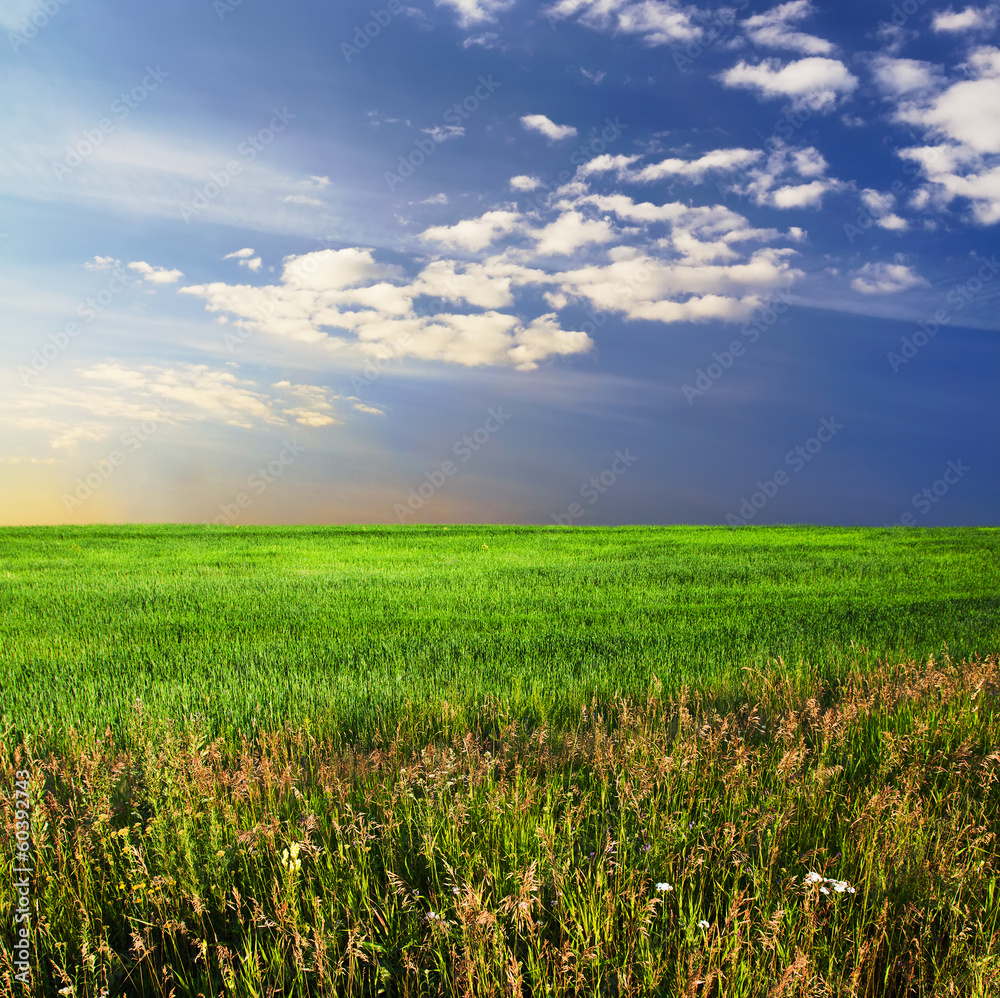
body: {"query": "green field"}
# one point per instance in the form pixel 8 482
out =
pixel 515 761
pixel 259 627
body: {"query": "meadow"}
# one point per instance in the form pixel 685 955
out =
pixel 502 760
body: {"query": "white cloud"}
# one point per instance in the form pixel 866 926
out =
pixel 474 233
pixel 880 206
pixel 660 262
pixel 905 76
pixel 441 198
pixel 571 231
pixel 717 161
pixel 441 133
pixel 814 82
pixel 886 278
pixel 774 182
pixel 657 22
pixel 961 122
pixel 472 12
pixel 772 29
pixel 155 275
pixel 970 19
pixel 245 258
pixel 522 182
pixel 104 398
pixel 545 126
pixel 103 263
pixel 799 195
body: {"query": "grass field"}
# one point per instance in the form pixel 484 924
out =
pixel 502 760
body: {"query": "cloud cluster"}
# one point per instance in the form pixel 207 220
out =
pixel 960 157
pixel 815 82
pixel 657 22
pixel 106 396
pixel 473 301
pixel 885 278
pixel 773 29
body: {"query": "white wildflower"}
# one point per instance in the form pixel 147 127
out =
pixel 702 924
pixel 664 887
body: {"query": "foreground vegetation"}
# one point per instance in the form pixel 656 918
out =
pixel 502 761
pixel 805 843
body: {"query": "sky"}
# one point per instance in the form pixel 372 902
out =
pixel 489 261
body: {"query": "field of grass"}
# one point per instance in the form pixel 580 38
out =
pixel 252 628
pixel 502 761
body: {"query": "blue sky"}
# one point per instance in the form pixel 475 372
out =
pixel 589 262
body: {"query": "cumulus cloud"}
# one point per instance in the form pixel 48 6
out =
pixel 155 275
pixel 881 206
pixel 103 263
pixel 474 233
pixel 657 22
pixel 522 182
pixel 788 178
pixel 644 260
pixel 896 77
pixel 545 126
pixel 886 278
pixel 970 19
pixel 960 157
pixel 814 82
pixel 773 29
pixel 472 12
pixel 245 258
pixel 571 231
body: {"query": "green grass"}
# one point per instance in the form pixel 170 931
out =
pixel 425 761
pixel 254 628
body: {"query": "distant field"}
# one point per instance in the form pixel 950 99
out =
pixel 262 628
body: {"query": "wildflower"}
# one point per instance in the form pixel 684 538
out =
pixel 702 924
pixel 290 859
pixel 664 887
pixel 813 878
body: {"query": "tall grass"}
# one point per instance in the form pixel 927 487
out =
pixel 808 841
